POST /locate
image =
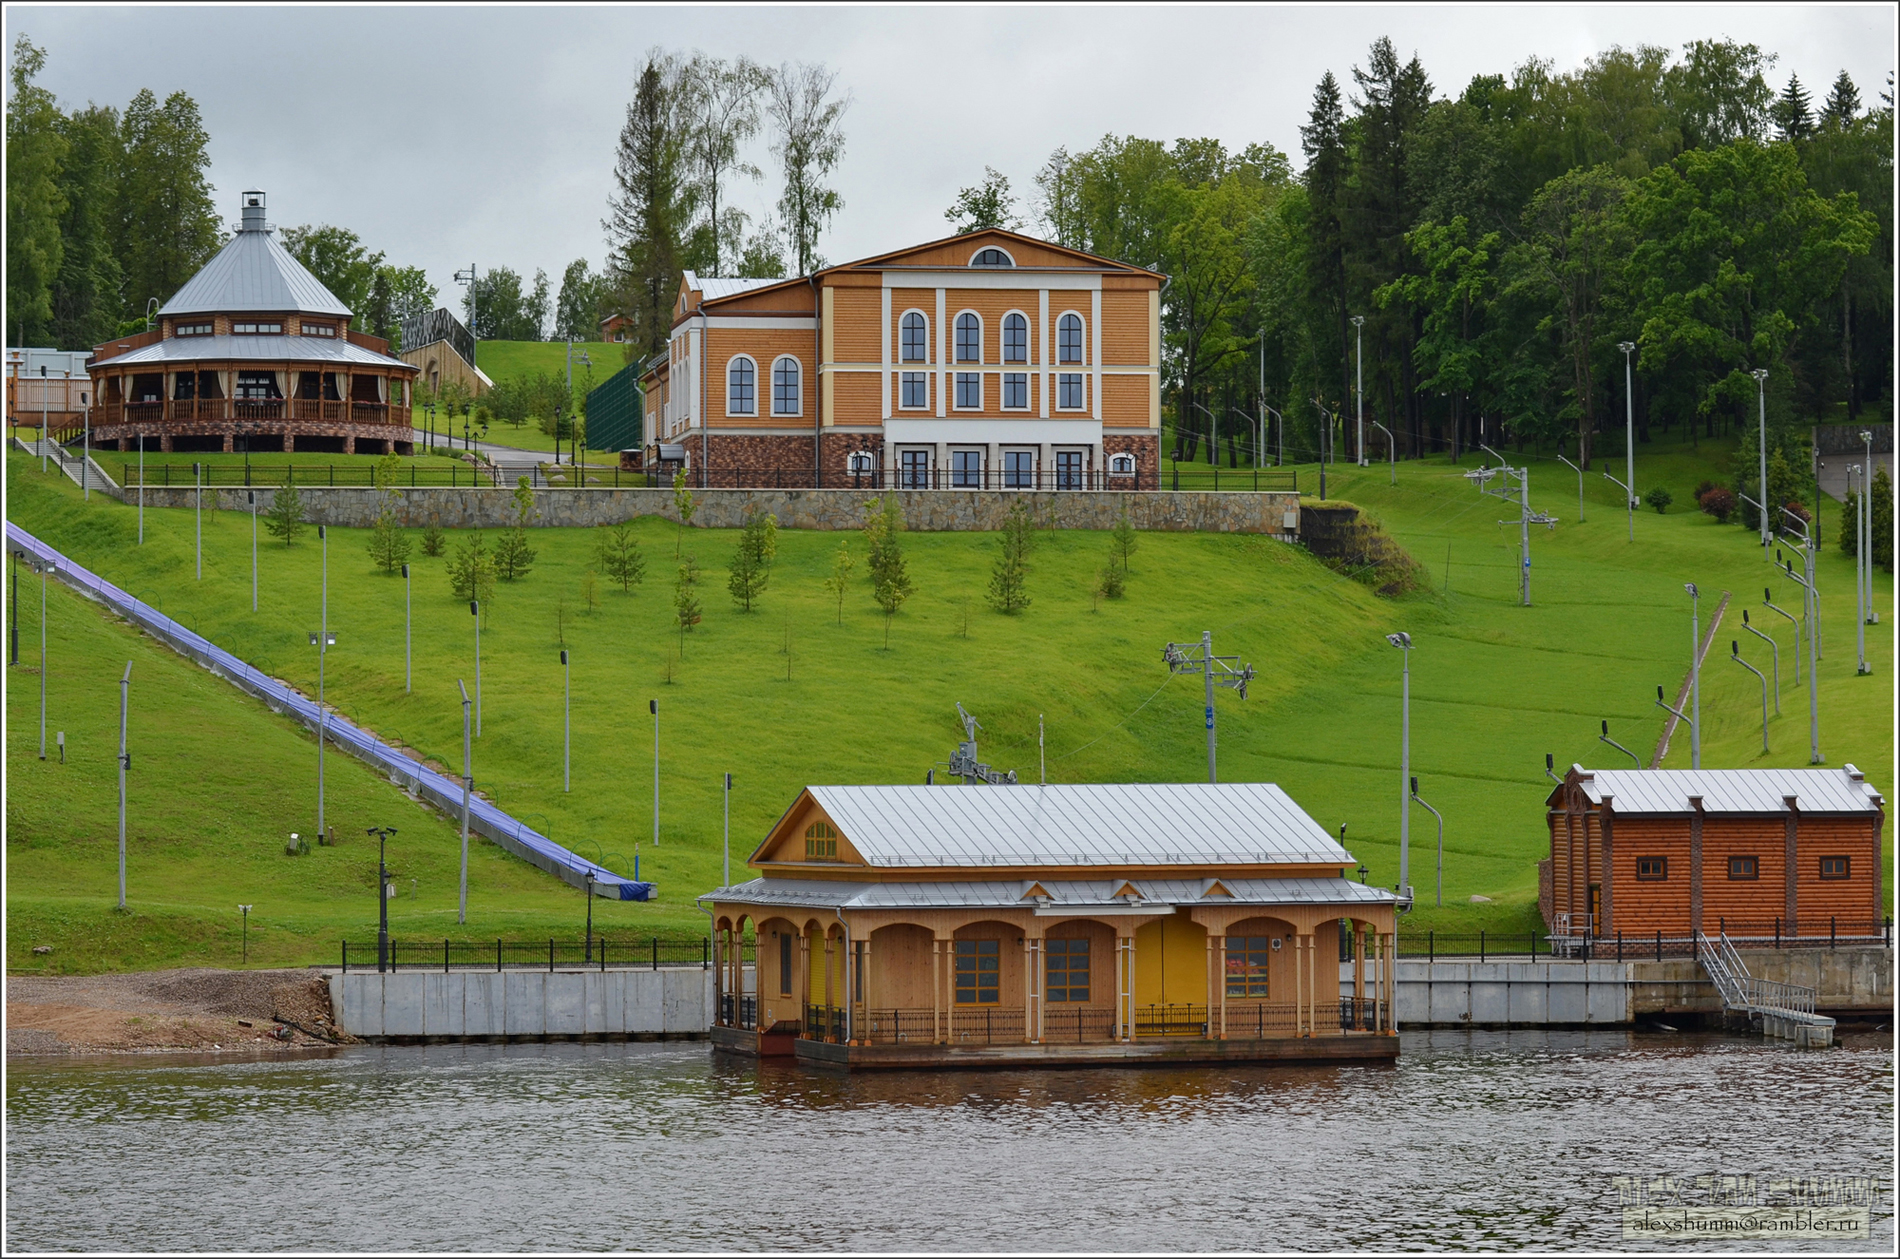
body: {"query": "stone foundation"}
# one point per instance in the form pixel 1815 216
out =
pixel 278 435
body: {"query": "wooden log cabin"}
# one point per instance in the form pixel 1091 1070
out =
pixel 253 353
pixel 918 926
pixel 1758 854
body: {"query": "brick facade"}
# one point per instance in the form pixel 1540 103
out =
pixel 1146 448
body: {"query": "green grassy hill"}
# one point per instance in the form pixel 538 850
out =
pixel 506 359
pixel 787 696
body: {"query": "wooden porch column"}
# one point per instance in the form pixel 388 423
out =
pixel 804 977
pixel 1220 977
pixel 1115 1029
pixel 1391 981
pixel 936 989
pixel 719 978
pixel 830 951
pixel 1312 982
pixel 1358 970
pixel 1299 985
pixel 865 962
pixel 1378 984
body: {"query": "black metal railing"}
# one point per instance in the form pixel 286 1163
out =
pixel 1062 1023
pixel 1358 1014
pixel 1655 945
pixel 619 953
pixel 307 476
pixel 1171 1020
pixel 823 1022
pixel 1259 1020
pixel 888 1026
pixel 739 1012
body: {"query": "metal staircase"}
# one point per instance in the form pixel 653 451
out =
pixel 1786 1011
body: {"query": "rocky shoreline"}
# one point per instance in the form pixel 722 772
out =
pixel 198 1010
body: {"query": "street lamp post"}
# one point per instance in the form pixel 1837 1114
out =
pixel 322 640
pixel 382 834
pixel 246 954
pixel 653 706
pixel 587 887
pixel 1391 450
pixel 142 492
pixel 1774 650
pixel 1629 436
pixel 408 670
pixel 468 783
pixel 85 445
pixel 727 798
pixel 1735 654
pixel 1871 616
pixel 1213 438
pixel 1579 471
pixel 475 611
pixel 198 521
pixel 1695 676
pixel 567 721
pixel 1259 425
pixel 573 435
pixel 1440 899
pixel 1403 642
pixel 125 763
pixel 1858 473
pixel 1359 383
pixel 1768 601
pixel 43 568
pixel 1761 431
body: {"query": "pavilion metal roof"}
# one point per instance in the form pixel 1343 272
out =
pixel 1119 824
pixel 1843 790
pixel 1064 895
pixel 253 273
pixel 269 349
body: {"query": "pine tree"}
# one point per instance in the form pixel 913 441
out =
pixel 652 203
pixel 285 517
pixel 513 555
pixel 1880 520
pixel 389 546
pixel 1843 103
pixel 433 539
pixel 840 579
pixel 472 570
pixel 890 578
pixel 685 603
pixel 1123 541
pixel 617 552
pixel 686 505
pixel 1008 579
pixel 1793 116
pixel 752 560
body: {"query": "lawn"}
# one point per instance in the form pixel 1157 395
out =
pixel 503 360
pixel 786 695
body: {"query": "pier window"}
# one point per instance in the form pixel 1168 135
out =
pixel 821 842
pixel 1833 867
pixel 1652 869
pixel 784 963
pixel 979 971
pixel 1744 867
pixel 1247 965
pixel 1068 969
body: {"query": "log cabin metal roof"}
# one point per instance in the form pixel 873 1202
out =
pixel 716 287
pixel 1065 896
pixel 1118 824
pixel 264 349
pixel 253 273
pixel 1735 791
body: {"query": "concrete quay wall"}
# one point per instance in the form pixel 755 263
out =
pixel 571 1004
pixel 926 511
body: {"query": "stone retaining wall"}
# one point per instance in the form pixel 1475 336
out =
pixel 931 511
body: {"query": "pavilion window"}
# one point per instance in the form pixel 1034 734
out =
pixel 184 386
pixel 1247 965
pixel 192 330
pixel 319 330
pixel 1067 969
pixel 821 842
pixel 784 963
pixel 257 386
pixel 251 329
pixel 979 971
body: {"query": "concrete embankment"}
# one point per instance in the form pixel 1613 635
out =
pixel 561 1004
pixel 1854 982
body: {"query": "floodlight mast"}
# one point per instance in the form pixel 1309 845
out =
pixel 468 783
pixel 1629 436
pixel 1216 671
pixel 1605 738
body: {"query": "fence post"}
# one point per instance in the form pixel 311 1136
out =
pixel 550 957
pixel 1830 931
pixel 1619 944
pixel 1777 930
pixel 445 956
pixel 1431 951
pixel 705 954
pixel 1659 944
pixel 346 957
pixel 656 952
pixel 1480 947
pixel 498 956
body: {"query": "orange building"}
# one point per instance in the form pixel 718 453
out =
pixel 989 360
pixel 1750 853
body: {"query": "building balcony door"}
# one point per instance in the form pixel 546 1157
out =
pixel 1019 469
pixel 914 469
pixel 1068 469
pixel 966 469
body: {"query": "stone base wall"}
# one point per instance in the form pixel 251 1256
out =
pixel 929 511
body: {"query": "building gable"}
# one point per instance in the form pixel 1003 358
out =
pixel 1024 251
pixel 806 834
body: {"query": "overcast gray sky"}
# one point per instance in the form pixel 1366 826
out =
pixel 445 136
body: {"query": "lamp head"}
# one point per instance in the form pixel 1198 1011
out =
pixel 1401 640
pixel 1606 727
pixel 1358 321
pixel 653 706
pixel 1550 762
pixel 1734 648
pixel 405 571
pixel 1760 374
pixel 474 606
pixel 563 655
pixel 1626 346
pixel 1693 592
pixel 1659 695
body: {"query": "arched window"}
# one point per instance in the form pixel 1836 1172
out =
pixel 969 338
pixel 821 842
pixel 992 258
pixel 741 387
pixel 1069 339
pixel 915 330
pixel 1121 464
pixel 1015 339
pixel 785 395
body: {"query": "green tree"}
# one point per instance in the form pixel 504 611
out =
pixel 285 517
pixel 890 576
pixel 1009 577
pixel 513 555
pixel 577 311
pixel 752 560
pixel 686 613
pixel 1058 203
pixel 840 579
pixel 1880 519
pixel 723 105
pixel 808 142
pixel 36 152
pixel 433 539
pixel 389 546
pixel 1792 112
pixel 168 227
pixel 651 204
pixel 472 570
pixel 87 298
pixel 984 205
pixel 336 256
pixel 410 295
pixel 1124 541
pixel 617 554
pixel 686 505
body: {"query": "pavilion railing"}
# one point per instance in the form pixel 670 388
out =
pixel 884 1025
pixel 1171 1020
pixel 1063 1023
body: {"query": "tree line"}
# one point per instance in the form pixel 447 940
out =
pixel 684 143
pixel 1488 253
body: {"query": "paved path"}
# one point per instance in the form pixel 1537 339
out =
pixel 1834 472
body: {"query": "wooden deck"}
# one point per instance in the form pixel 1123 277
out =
pixel 1155 1052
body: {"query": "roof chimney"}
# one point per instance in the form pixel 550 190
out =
pixel 253 219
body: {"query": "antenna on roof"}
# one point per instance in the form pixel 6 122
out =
pixel 963 762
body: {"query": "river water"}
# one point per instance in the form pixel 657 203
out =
pixel 1475 1139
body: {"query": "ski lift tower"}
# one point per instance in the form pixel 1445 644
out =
pixel 1499 481
pixel 1217 670
pixel 963 762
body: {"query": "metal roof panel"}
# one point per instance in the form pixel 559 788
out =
pixel 1842 790
pixel 253 273
pixel 269 349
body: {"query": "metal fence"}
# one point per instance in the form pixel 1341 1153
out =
pixel 309 475
pixel 740 1012
pixel 895 1026
pixel 1621 946
pixel 1062 1022
pixel 600 953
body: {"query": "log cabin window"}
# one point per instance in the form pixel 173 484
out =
pixel 1247 965
pixel 979 971
pixel 1652 869
pixel 821 842
pixel 257 329
pixel 192 330
pixel 1833 867
pixel 1067 969
pixel 1744 867
pixel 784 963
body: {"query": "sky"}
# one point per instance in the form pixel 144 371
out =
pixel 448 136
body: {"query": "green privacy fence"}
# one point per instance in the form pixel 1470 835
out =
pixel 613 411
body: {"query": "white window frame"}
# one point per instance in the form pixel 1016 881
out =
pixel 917 311
pixel 1080 380
pixel 999 249
pixel 799 393
pixel 982 466
pixel 956 337
pixel 754 365
pixel 956 397
pixel 923 381
pixel 1002 344
pixel 1021 378
pixel 1082 341
pixel 1121 463
pixel 859 463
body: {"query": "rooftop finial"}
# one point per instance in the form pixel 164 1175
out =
pixel 253 216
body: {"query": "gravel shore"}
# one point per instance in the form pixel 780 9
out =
pixel 197 1009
